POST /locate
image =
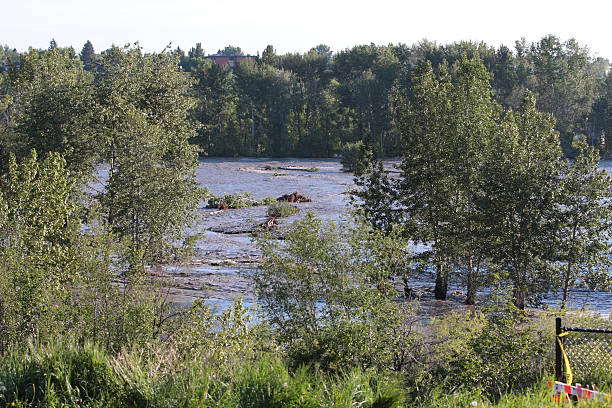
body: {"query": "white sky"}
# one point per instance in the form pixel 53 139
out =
pixel 292 26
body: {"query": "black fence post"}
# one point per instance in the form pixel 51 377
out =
pixel 558 355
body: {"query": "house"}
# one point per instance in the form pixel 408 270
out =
pixel 231 60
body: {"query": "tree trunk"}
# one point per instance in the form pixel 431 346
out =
pixel 470 298
pixel 519 296
pixel 566 285
pixel 253 148
pixel 441 283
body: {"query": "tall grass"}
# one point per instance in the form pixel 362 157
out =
pixel 67 374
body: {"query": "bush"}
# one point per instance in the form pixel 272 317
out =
pixel 326 291
pixel 235 200
pixel 268 201
pixel 281 209
pixel 494 352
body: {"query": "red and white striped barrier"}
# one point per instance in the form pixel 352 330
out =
pixel 563 390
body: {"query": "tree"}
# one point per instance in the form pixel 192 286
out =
pixel 88 56
pixel 216 110
pixel 446 128
pixel 37 252
pixel 326 289
pixel 268 56
pixel 231 51
pixel 424 190
pixel 584 216
pixel 472 123
pixel 143 106
pixel 562 76
pixel 197 52
pixel 520 193
pixel 52 110
pixel 366 75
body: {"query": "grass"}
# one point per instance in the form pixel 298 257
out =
pixel 66 374
pixel 69 374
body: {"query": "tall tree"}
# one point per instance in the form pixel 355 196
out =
pixel 472 123
pixel 88 56
pixel 584 216
pixel 520 193
pixel 424 190
pixel 143 106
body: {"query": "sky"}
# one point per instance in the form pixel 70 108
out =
pixel 292 26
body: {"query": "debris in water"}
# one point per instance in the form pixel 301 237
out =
pixel 270 224
pixel 294 197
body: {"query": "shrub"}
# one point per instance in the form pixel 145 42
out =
pixel 281 209
pixel 326 291
pixel 235 200
pixel 495 352
pixel 267 201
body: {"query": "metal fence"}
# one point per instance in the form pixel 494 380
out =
pixel 582 355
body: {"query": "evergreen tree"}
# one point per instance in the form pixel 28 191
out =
pixel 88 56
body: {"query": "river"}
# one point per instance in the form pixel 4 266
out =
pixel 225 254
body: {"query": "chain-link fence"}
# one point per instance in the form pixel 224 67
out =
pixel 583 355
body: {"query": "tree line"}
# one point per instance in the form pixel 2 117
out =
pixel 313 104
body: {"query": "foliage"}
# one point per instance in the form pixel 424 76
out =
pixel 38 256
pixel 494 353
pixel 356 158
pixel 487 193
pixel 142 105
pixel 520 193
pixel 326 290
pixel 52 110
pixel 584 213
pixel 88 56
pixel 281 209
pixel 235 200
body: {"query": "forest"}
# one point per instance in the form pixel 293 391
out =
pixel 496 177
pixel 313 104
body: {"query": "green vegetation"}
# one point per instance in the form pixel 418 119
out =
pixel 281 209
pixel 237 200
pixel 316 103
pixel 98 189
pixel 356 158
pixel 489 192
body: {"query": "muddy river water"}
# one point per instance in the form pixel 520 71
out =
pixel 226 254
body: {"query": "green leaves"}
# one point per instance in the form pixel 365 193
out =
pixel 52 110
pixel 143 107
pixel 37 255
pixel 327 289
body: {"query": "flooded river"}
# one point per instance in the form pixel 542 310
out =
pixel 226 255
